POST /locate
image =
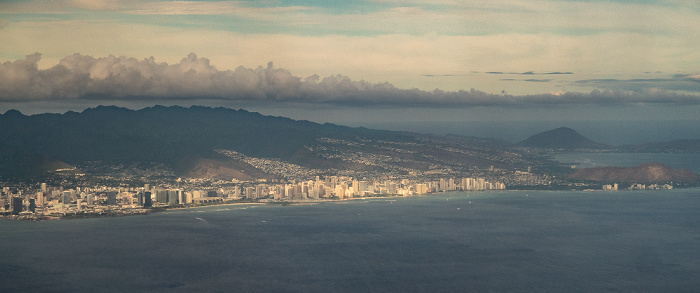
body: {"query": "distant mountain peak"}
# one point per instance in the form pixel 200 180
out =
pixel 564 128
pixel 13 113
pixel 560 138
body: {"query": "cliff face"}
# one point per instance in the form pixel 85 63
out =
pixel 647 173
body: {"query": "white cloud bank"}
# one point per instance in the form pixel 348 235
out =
pixel 122 78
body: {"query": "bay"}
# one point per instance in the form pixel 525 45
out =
pixel 543 241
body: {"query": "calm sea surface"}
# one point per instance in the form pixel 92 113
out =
pixel 642 241
pixel 690 162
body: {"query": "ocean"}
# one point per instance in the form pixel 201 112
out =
pixel 510 241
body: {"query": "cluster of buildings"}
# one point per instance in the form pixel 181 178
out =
pixel 102 200
pixel 638 186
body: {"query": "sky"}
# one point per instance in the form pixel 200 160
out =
pixel 371 61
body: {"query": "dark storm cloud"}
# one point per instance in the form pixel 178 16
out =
pixel 122 78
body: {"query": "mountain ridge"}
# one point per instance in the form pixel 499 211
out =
pixel 186 140
pixel 24 163
pixel 220 143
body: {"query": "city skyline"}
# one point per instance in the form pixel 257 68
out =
pixel 248 140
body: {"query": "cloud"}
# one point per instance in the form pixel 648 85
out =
pixel 528 73
pixel 472 18
pixel 61 6
pixel 123 78
pixel 677 82
pixel 212 8
pixel 545 73
pixel 528 80
pixel 96 4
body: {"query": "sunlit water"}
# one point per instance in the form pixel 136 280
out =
pixel 457 242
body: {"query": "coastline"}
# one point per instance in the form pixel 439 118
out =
pixel 147 211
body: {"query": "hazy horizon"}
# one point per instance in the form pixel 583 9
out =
pixel 362 61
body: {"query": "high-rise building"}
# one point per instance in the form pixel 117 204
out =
pixel 297 191
pixel 340 191
pixel 16 205
pixel 466 184
pixel 162 196
pixel 172 197
pixel 362 187
pixel 147 202
pixel 480 184
pixel 313 193
pixel 180 196
pixel 421 188
pixel 111 197
pixel 391 187
pixel 32 205
pixel 250 192
pixel 66 197
pixel 289 191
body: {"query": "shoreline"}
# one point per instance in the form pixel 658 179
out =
pixel 148 211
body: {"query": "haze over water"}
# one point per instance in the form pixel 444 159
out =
pixel 690 162
pixel 642 241
pixel 614 133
